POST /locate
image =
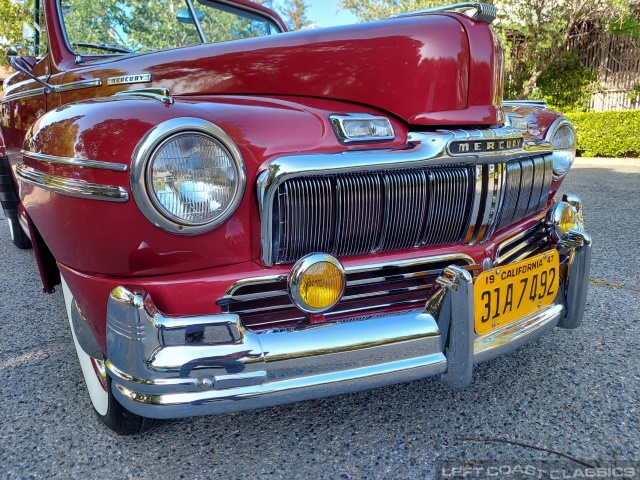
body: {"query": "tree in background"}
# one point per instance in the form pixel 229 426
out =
pixel 296 13
pixel 266 3
pixel 369 10
pixel 12 15
pixel 540 31
pixel 546 28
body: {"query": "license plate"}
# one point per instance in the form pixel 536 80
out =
pixel 510 292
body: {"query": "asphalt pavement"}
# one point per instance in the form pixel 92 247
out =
pixel 569 394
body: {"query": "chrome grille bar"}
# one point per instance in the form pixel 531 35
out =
pixel 406 197
pixel 450 205
pixel 524 195
pixel 358 213
pixel 264 302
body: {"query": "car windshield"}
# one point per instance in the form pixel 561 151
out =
pixel 139 26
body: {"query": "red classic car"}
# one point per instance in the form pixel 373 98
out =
pixel 241 217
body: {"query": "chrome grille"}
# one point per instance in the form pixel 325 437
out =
pixel 264 302
pixel 528 243
pixel 349 214
pixel 527 186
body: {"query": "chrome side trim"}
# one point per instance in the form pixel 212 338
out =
pixel 71 186
pixel 35 92
pixel 80 84
pixel 65 87
pixel 78 162
pixel 525 103
pixel 160 94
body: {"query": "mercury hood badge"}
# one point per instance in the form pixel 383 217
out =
pixel 139 78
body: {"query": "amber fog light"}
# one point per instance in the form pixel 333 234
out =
pixel 560 219
pixel 317 282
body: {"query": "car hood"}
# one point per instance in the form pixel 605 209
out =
pixel 423 69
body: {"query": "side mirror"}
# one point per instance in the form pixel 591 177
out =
pixel 18 61
pixel 25 64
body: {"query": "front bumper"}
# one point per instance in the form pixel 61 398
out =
pixel 169 367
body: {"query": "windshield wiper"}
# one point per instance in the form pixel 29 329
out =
pixel 102 46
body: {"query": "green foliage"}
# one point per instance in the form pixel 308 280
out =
pixel 635 93
pixel 539 31
pixel 140 25
pixel 296 13
pixel 565 85
pixel 607 134
pixel 12 15
pixel 369 10
pixel 627 24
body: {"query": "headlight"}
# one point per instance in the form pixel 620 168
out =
pixel 187 176
pixel 563 138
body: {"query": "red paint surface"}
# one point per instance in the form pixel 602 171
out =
pixel 115 238
pixel 408 67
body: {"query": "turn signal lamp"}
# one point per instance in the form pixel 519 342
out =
pixel 561 218
pixel 317 282
pixel 361 127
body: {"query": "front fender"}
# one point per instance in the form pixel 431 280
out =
pixel 115 238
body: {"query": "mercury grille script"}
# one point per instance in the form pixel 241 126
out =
pixel 460 147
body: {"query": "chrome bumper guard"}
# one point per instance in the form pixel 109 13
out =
pixel 169 367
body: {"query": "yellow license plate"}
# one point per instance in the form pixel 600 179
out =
pixel 510 292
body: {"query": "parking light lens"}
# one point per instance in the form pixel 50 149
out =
pixel 361 127
pixel 561 218
pixel 317 283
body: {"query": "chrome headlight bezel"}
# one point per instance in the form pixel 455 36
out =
pixel 145 151
pixel 560 165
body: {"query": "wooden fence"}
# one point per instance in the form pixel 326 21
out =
pixel 615 59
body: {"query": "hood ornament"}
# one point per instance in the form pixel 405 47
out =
pixel 480 12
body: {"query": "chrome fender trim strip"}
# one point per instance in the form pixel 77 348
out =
pixel 65 87
pixel 35 92
pixel 78 162
pixel 72 187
